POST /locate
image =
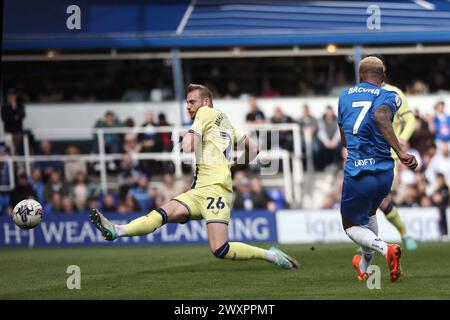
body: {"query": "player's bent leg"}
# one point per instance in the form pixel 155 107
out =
pixel 370 241
pixel 172 211
pixel 363 236
pixel 221 248
pixel 391 213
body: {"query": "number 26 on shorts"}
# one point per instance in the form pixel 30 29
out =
pixel 219 204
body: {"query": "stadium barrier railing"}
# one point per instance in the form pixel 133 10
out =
pixel 291 164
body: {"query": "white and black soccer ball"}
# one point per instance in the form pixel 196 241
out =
pixel 27 214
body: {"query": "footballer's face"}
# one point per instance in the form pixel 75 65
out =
pixel 194 102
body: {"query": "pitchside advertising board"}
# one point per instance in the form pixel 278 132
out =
pixel 307 226
pixel 286 226
pixel 76 230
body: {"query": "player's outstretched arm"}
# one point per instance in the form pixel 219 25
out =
pixel 250 153
pixel 383 117
pixel 190 141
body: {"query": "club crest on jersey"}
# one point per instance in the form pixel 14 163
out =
pixel 398 101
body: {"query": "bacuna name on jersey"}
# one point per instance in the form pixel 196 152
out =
pixel 357 89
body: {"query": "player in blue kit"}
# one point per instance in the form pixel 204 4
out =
pixel 365 116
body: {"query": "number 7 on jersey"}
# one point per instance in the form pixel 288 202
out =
pixel 365 105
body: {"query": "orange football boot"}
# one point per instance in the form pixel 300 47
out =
pixel 394 253
pixel 361 275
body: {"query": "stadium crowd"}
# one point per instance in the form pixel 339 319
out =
pixel 145 184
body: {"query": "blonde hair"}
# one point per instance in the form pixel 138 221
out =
pixel 204 91
pixel 371 65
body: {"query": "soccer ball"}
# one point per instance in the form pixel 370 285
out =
pixel 27 214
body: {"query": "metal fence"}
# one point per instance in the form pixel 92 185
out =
pixel 289 178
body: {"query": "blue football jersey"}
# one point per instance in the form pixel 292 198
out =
pixel 366 147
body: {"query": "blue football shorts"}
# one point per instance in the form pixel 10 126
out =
pixel 363 193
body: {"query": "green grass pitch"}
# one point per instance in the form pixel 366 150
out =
pixel 190 272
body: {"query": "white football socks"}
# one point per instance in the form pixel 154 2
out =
pixel 367 255
pixel 121 232
pixel 366 238
pixel 271 256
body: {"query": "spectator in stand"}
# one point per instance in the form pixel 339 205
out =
pixel 55 205
pixel 129 122
pixel 329 136
pixel 55 184
pixel 112 140
pixel 13 113
pixel 429 155
pixel 147 141
pixel 417 87
pixel 163 144
pixel 4 166
pixel 22 190
pixel 128 175
pixel 405 175
pixel 250 194
pixel 148 138
pixel 421 185
pixel 255 115
pixel 308 129
pixel 161 92
pixel 425 202
pixel 73 166
pixel 132 147
pixel 440 163
pixel 67 206
pixel 168 190
pixel 267 91
pixel 260 197
pixel 141 195
pixel 135 94
pixel 243 196
pixel 441 200
pixel 47 167
pixel 286 140
pixel 422 138
pixel 304 89
pixel 340 84
pixel 37 184
pixel 411 197
pixel 93 203
pixel 128 205
pixel 159 201
pixel 109 203
pixel 331 200
pixel 163 139
pixel 440 125
pixel 232 90
pixel 82 190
